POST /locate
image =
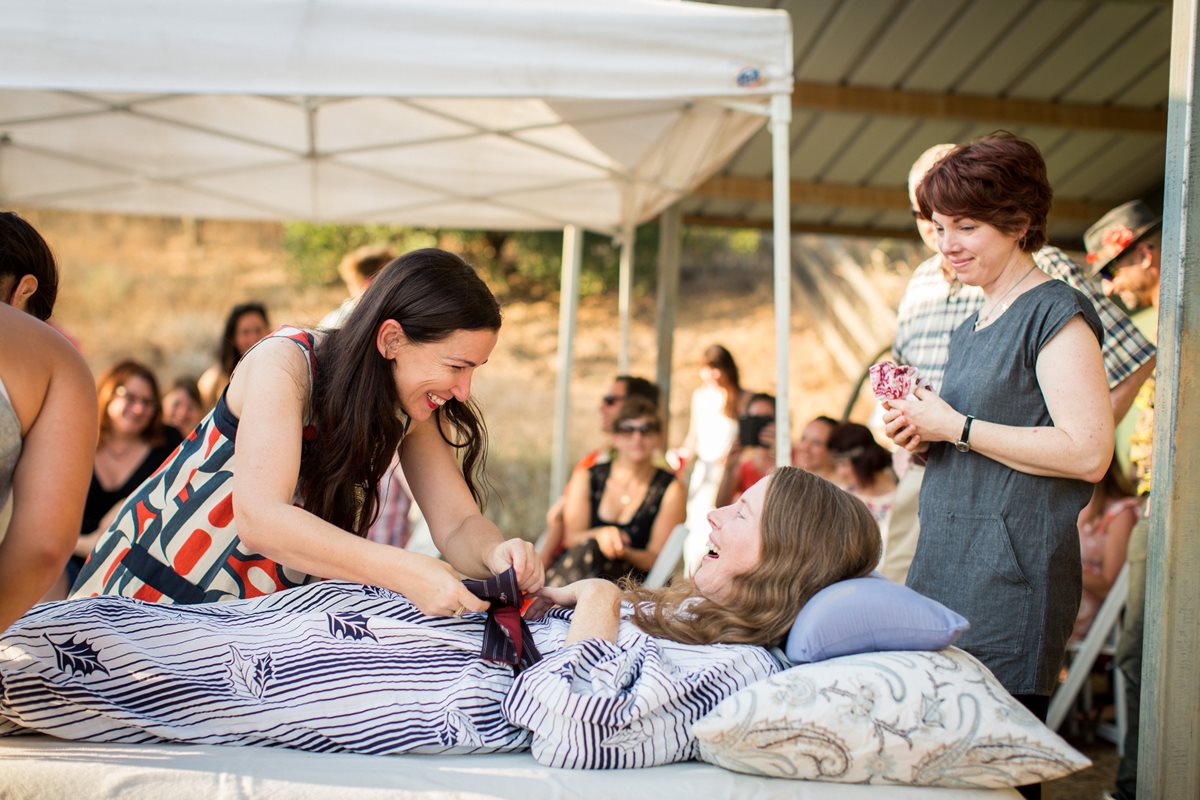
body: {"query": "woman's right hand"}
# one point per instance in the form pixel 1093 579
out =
pixel 612 541
pixel 436 589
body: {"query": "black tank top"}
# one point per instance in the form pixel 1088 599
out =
pixel 640 524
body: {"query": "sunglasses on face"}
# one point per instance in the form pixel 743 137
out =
pixel 630 428
pixel 611 399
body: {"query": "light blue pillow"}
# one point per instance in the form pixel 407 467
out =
pixel 870 615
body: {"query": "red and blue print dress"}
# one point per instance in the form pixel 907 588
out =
pixel 174 539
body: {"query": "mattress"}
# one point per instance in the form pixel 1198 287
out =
pixel 37 766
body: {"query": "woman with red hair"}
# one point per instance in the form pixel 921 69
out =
pixel 1021 429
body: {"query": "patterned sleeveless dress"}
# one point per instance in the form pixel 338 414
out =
pixel 175 539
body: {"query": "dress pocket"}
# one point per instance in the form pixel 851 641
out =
pixel 999 601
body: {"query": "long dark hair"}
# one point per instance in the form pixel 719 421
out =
pixel 23 252
pixel 356 405
pixel 229 354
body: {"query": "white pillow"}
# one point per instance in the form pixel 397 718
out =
pixel 912 718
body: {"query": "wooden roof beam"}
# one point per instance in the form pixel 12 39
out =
pixel 883 198
pixel 970 108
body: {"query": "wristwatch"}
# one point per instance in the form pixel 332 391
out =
pixel 962 445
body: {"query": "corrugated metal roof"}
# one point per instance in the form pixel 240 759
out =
pixel 878 81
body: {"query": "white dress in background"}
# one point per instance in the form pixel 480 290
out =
pixel 712 434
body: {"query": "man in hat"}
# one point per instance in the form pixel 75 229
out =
pixel 935 303
pixel 1125 251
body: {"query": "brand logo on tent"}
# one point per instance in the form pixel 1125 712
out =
pixel 750 77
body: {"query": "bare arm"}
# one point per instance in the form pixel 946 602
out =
pixel 468 540
pixel 269 393
pixel 597 604
pixel 1078 445
pixel 670 513
pixel 51 480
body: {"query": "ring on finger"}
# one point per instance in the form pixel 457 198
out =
pixel 458 612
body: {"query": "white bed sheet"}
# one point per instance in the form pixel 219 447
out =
pixel 42 768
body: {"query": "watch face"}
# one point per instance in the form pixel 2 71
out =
pixel 962 447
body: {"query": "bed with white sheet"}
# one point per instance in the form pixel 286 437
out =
pixel 38 767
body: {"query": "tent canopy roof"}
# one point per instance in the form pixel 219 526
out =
pixel 464 113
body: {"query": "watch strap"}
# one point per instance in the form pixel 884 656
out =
pixel 964 438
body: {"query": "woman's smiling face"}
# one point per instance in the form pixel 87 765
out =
pixel 735 543
pixel 977 252
pixel 429 374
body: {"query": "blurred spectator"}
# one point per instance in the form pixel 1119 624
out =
pixel 1125 251
pixel 551 543
pixel 133 443
pixel 619 513
pixel 182 408
pixel 712 431
pixel 752 456
pixel 863 467
pixel 358 268
pixel 245 325
pixel 47 426
pixel 1105 524
pixel 812 448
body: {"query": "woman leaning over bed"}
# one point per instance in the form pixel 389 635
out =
pixel 277 486
pixel 1023 424
pixel 336 666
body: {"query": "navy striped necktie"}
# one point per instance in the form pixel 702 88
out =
pixel 506 637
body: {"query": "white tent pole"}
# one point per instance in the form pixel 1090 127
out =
pixel 625 294
pixel 670 227
pixel 568 308
pixel 781 117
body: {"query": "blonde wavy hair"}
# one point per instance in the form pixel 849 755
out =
pixel 813 534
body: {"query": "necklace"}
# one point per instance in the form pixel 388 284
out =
pixel 999 307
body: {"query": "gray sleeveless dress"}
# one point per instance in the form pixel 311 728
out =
pixel 998 546
pixel 10 444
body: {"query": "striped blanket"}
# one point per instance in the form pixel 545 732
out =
pixel 340 667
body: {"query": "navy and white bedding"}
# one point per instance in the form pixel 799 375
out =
pixel 340 667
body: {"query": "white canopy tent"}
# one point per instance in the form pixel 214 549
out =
pixel 521 114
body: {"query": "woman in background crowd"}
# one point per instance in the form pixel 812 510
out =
pixel 1021 429
pixel 712 431
pixel 133 443
pixel 182 407
pixel 812 448
pixel 244 327
pixel 752 456
pixel 280 483
pixel 619 513
pixel 863 467
pixel 47 424
pixel 1105 524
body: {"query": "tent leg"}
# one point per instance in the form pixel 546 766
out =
pixel 781 116
pixel 1170 705
pixel 568 309
pixel 625 295
pixel 669 232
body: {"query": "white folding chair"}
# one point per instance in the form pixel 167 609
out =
pixel 668 558
pixel 1101 637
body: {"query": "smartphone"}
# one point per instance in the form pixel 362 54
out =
pixel 750 429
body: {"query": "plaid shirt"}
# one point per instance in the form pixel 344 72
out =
pixel 933 307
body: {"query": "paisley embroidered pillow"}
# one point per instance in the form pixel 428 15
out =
pixel 910 718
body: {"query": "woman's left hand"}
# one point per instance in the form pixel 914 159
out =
pixel 914 424
pixel 523 558
pixel 571 595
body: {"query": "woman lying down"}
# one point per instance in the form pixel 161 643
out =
pixel 341 667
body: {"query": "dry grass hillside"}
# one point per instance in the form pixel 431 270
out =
pixel 158 289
